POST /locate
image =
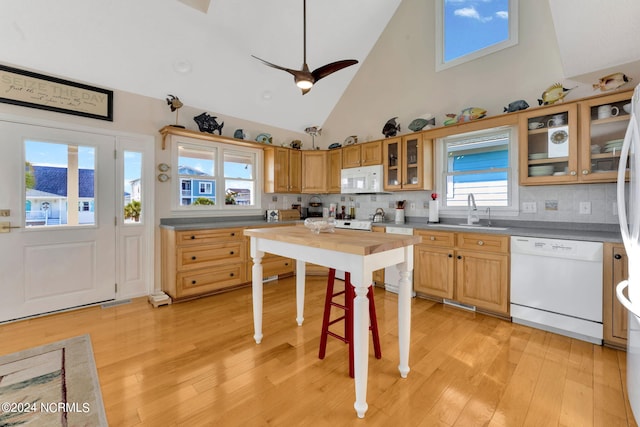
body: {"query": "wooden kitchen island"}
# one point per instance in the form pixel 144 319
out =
pixel 357 252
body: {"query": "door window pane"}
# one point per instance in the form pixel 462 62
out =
pixel 132 187
pixel 60 184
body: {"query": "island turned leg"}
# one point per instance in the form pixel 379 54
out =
pixel 256 272
pixel 300 285
pixel 404 311
pixel 361 343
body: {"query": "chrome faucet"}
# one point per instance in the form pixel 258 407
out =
pixel 489 216
pixel 472 210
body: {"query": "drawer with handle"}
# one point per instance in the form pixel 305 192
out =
pixel 198 237
pixel 484 242
pixel 436 238
pixel 209 280
pixel 202 256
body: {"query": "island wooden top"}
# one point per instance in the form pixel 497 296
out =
pixel 348 241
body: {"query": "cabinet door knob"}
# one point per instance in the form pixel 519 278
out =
pixel 233 234
pixel 231 253
pixel 585 172
pixel 231 274
pixel 572 173
pixel 450 255
pixel 617 256
pixel 432 238
pixel 480 242
pixel 193 258
pixel 193 282
pixel 193 237
pixel 459 257
pixel 286 264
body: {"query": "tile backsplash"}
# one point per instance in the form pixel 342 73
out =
pixel 553 203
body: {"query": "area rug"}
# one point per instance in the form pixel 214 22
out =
pixel 52 385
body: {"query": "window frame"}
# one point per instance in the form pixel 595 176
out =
pixel 512 171
pixel 220 208
pixel 440 62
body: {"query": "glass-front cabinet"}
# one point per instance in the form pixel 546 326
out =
pixel 408 162
pixel 603 124
pixel 391 152
pixel 549 145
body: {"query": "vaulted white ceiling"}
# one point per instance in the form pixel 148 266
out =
pixel 160 47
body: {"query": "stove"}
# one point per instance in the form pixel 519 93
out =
pixel 354 224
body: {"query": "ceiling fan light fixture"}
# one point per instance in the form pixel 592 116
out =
pixel 304 83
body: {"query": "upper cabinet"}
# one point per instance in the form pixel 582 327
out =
pixel 408 162
pixel 334 158
pixel 282 170
pixel 314 171
pixel 367 154
pixel 573 142
pixel 549 145
pixel 603 124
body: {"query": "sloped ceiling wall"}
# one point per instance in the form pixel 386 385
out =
pixel 596 35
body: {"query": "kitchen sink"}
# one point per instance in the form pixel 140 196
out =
pixel 467 226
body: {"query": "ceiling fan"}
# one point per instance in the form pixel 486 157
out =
pixel 304 78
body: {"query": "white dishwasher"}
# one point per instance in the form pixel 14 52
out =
pixel 556 285
pixel 391 274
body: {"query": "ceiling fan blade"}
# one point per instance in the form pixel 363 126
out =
pixel 298 74
pixel 288 70
pixel 325 70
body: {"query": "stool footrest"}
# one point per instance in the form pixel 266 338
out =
pixel 348 318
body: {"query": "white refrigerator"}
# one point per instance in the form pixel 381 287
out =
pixel 629 216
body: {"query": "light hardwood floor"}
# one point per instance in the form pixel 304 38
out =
pixel 196 364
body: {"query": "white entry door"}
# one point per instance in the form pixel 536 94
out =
pixel 57 187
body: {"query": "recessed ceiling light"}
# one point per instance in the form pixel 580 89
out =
pixel 182 66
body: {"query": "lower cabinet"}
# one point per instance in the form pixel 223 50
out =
pixel 470 268
pixel 614 315
pixel 203 262
pixel 200 262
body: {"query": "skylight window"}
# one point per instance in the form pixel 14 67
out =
pixel 469 29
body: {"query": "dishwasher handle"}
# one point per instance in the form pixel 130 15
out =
pixel 624 300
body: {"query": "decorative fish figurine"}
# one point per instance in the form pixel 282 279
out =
pixel 296 144
pixel 612 81
pixel 174 102
pixel 518 105
pixel 265 138
pixel 207 123
pixel 554 93
pixel 335 145
pixel 466 115
pixel 391 128
pixel 313 130
pixel 420 123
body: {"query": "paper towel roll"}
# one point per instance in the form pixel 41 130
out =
pixel 433 211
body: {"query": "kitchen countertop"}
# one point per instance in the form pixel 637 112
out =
pixel 544 229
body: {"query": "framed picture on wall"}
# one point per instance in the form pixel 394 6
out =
pixel 29 89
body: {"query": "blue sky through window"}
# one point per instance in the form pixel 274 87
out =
pixel 471 25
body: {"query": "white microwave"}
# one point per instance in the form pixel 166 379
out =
pixel 366 179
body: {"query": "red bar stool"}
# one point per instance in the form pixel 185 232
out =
pixel 347 317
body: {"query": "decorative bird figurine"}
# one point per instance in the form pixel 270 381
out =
pixel 175 104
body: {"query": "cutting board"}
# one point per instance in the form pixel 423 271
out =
pixel 288 214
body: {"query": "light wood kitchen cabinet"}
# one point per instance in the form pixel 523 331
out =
pixel 602 136
pixel 408 162
pixel 614 315
pixel 570 143
pixel 201 262
pixel 471 268
pixel 366 154
pixel 335 168
pixel 282 170
pixel 314 171
pixel 549 150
